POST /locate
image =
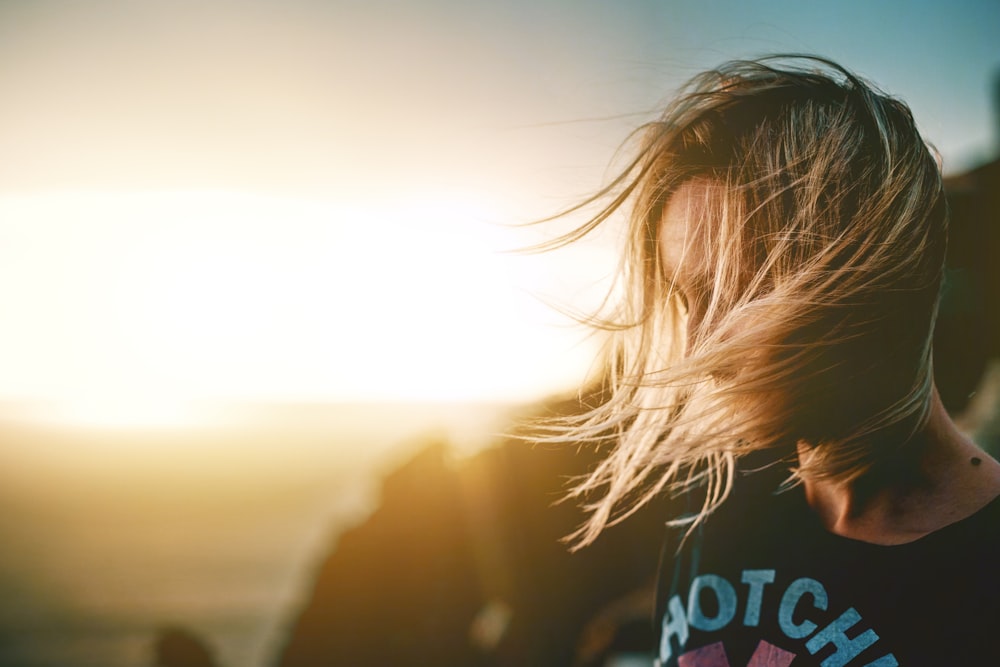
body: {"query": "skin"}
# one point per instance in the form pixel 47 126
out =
pixel 682 248
pixel 942 478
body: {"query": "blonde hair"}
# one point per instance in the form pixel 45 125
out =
pixel 816 220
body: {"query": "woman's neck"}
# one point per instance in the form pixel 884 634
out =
pixel 951 479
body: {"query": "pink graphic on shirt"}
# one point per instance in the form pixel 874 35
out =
pixel 714 655
pixel 769 655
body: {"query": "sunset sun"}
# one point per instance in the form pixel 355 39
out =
pixel 145 302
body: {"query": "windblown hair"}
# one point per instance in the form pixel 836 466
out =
pixel 800 312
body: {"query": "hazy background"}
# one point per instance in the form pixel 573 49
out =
pixel 249 249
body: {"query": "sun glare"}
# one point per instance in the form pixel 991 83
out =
pixel 121 412
pixel 122 308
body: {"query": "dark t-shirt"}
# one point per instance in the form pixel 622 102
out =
pixel 763 584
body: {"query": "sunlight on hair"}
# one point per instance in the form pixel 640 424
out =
pixel 794 304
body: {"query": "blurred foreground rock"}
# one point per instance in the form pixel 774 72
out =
pixel 463 565
pixel 176 647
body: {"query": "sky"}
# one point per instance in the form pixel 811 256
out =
pixel 305 200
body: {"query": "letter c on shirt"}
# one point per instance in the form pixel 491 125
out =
pixel 790 601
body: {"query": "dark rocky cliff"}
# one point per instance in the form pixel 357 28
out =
pixel 462 565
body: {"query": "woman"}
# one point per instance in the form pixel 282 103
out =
pixel 771 364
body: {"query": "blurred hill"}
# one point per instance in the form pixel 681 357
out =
pixel 462 564
pixel 967 337
pixel 109 534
